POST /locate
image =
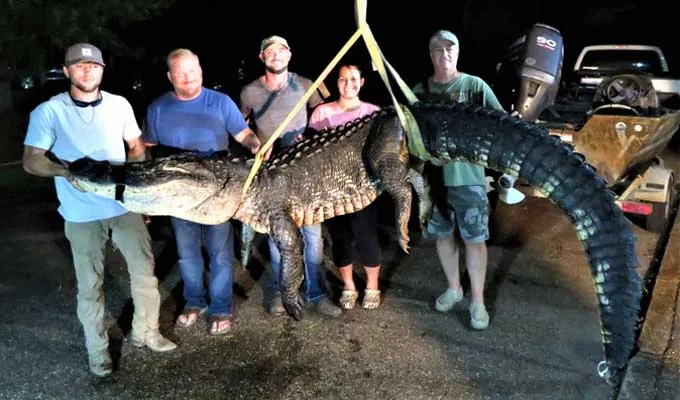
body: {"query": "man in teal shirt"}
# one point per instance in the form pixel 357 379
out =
pixel 467 201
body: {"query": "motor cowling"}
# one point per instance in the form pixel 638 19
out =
pixel 532 68
pixel 540 71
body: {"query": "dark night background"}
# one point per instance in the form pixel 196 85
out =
pixel 223 33
pixel 226 34
pixel 266 358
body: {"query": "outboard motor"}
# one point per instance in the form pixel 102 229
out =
pixel 532 67
pixel 528 79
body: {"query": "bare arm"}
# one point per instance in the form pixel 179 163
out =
pixel 136 150
pixel 36 163
pixel 248 139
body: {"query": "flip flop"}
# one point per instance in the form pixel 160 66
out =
pixel 226 323
pixel 190 316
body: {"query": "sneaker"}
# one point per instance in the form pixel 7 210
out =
pixel 153 340
pixel 479 318
pixel 448 300
pixel 326 307
pixel 100 363
pixel 276 308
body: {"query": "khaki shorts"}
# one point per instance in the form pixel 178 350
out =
pixel 468 208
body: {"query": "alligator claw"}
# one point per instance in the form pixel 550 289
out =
pixel 294 306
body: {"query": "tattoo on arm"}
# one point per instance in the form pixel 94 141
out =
pixel 36 162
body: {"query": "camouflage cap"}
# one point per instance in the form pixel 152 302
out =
pixel 272 40
pixel 443 35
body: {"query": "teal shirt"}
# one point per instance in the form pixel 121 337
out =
pixel 465 89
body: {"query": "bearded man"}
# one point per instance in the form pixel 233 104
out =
pixel 88 122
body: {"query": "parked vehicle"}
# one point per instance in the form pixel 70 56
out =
pixel 594 63
pixel 620 113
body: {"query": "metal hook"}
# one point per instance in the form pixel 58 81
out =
pixel 603 369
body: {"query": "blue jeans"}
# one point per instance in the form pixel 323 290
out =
pixel 313 253
pixel 219 242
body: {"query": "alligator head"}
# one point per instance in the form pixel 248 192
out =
pixel 188 186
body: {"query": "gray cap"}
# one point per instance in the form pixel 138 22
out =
pixel 443 35
pixel 83 52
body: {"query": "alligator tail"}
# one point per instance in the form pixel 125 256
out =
pixel 507 144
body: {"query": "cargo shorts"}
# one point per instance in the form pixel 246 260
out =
pixel 467 208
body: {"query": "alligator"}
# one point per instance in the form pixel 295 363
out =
pixel 330 173
pixel 342 170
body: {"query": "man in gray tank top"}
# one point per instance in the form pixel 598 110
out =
pixel 266 102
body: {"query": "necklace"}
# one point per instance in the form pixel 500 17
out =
pixel 81 117
pixel 85 105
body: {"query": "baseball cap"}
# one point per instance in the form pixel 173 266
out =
pixel 271 40
pixel 443 35
pixel 83 52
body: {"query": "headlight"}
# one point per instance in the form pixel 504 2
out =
pixel 27 82
pixel 137 85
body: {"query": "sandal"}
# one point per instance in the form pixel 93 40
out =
pixel 348 299
pixel 190 316
pixel 220 325
pixel 371 299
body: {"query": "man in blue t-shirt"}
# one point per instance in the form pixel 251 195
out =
pixel 88 122
pixel 198 119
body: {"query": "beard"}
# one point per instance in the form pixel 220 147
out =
pixel 274 70
pixel 188 93
pixel 93 87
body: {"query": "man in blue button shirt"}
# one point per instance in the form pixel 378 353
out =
pixel 194 118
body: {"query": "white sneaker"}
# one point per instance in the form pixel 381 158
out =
pixel 479 318
pixel 448 299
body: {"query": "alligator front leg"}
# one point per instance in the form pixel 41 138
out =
pixel 422 190
pixel 247 236
pixel 288 239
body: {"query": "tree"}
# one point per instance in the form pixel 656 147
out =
pixel 37 31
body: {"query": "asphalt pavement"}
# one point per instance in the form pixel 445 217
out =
pixel 543 342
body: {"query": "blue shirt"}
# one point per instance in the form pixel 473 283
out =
pixel 202 124
pixel 72 132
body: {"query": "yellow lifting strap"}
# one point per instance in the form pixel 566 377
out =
pixel 407 121
pixel 414 139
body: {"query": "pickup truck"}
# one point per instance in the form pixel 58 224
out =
pixel 596 62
